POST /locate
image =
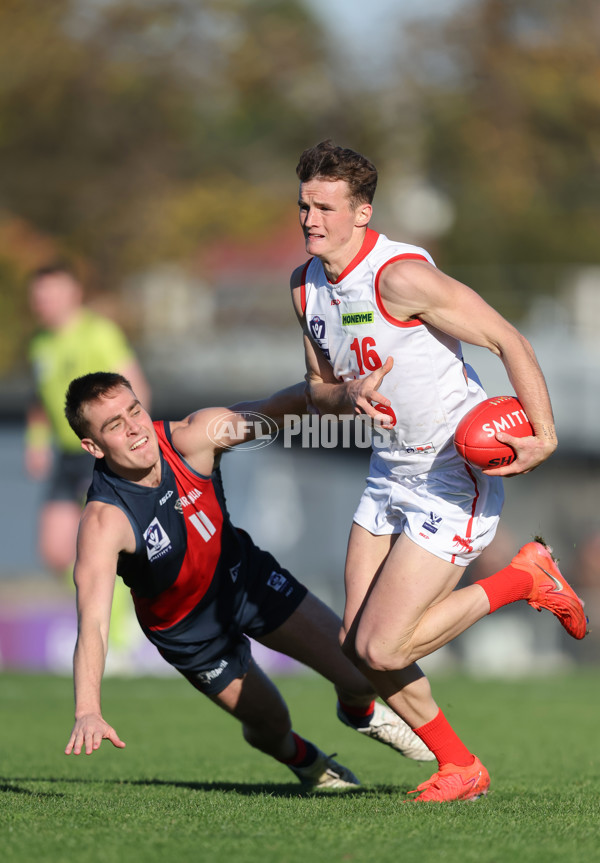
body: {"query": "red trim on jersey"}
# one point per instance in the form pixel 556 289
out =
pixel 368 245
pixel 203 545
pixel 469 530
pixel 303 286
pixel 390 318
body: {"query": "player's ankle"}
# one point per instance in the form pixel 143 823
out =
pixel 305 754
pixel 358 716
pixel 505 586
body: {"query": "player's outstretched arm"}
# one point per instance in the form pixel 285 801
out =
pixel 104 531
pixel 209 431
pixel 283 403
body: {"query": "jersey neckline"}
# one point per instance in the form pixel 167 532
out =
pixel 368 245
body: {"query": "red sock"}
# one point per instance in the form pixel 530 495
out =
pixel 443 741
pixel 505 586
pixel 305 754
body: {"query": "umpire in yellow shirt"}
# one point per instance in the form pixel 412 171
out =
pixel 72 341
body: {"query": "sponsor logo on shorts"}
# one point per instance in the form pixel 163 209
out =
pixel 207 676
pixel 351 319
pixel 157 540
pixel 280 583
pixel 418 448
pixel 433 523
pixel 462 543
pixel 234 571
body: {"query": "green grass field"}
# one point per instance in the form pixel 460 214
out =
pixel 188 788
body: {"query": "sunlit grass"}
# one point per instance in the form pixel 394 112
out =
pixel 188 787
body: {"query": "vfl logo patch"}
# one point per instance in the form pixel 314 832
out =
pixel 351 319
pixel 433 522
pixel 317 327
pixel 157 540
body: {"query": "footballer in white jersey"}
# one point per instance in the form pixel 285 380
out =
pixel 382 330
pixel 429 387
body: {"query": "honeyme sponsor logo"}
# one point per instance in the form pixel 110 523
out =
pixel 311 431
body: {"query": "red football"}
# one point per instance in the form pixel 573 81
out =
pixel 475 435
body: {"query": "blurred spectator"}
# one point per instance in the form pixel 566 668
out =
pixel 72 341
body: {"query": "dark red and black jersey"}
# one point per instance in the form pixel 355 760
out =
pixel 185 540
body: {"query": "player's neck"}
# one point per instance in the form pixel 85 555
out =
pixel 150 477
pixel 65 320
pixel 335 263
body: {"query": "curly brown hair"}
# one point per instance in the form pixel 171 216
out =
pixel 329 162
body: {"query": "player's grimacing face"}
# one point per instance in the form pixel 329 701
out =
pixel 122 430
pixel 327 216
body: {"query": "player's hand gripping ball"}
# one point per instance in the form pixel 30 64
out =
pixel 475 436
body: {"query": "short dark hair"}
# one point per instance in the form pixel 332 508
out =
pixel 330 162
pixel 87 389
pixel 54 268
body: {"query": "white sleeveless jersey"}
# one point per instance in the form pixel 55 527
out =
pixel 428 386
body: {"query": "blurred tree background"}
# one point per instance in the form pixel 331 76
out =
pixel 135 133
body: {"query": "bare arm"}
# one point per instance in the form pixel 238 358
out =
pixel 415 289
pixel 103 532
pixel 285 402
pixel 38 442
pixel 205 433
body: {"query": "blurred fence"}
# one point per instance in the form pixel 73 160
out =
pixel 298 503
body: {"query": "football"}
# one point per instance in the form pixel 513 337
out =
pixel 475 435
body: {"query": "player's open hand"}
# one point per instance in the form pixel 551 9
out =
pixel 366 398
pixel 88 733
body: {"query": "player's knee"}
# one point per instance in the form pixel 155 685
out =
pixel 379 656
